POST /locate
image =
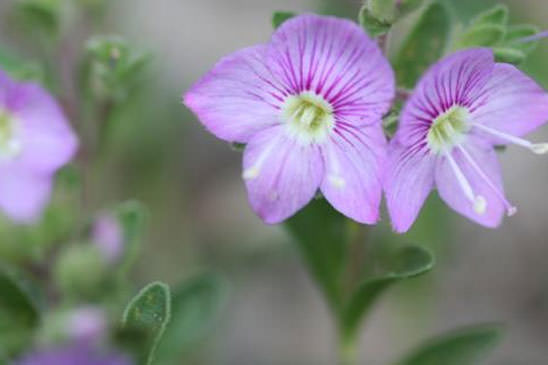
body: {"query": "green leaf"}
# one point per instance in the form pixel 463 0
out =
pixel 196 306
pixel 466 346
pixel 515 33
pixel 497 15
pixel 425 44
pixel 484 35
pixel 509 55
pixel 150 313
pixel 373 26
pixel 19 310
pixel 44 14
pixel 409 6
pixel 322 237
pixel 132 215
pixel 403 264
pixel 280 17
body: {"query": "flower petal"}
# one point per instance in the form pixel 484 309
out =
pixel 452 193
pixel 515 103
pixel 334 58
pixel 47 139
pixel 281 174
pixel 408 180
pixel 239 97
pixel 456 80
pixel 23 196
pixel 353 165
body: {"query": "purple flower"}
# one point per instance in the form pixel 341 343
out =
pixel 308 104
pixel 463 107
pixel 35 141
pixel 108 236
pixel 77 354
pixel 87 325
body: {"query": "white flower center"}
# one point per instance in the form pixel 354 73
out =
pixel 449 129
pixel 309 117
pixel 10 145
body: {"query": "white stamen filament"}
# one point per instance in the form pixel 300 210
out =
pixel 538 148
pixel 510 209
pixel 253 172
pixel 479 203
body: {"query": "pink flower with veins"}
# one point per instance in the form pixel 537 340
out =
pixel 35 141
pixel 461 109
pixel 308 104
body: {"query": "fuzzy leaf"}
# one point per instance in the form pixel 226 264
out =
pixel 517 32
pixel 497 15
pixel 149 312
pixel 466 346
pixel 484 35
pixel 509 55
pixel 279 17
pixel 373 26
pixel 405 263
pixel 321 235
pixel 425 44
pixel 196 306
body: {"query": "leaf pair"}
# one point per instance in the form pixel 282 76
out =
pixel 490 29
pixel 322 236
pixel 378 16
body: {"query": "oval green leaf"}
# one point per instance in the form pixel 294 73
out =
pixel 466 346
pixel 149 313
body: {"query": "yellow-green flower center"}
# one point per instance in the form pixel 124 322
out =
pixel 448 129
pixel 308 116
pixel 9 144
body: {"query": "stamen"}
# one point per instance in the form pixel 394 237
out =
pixel 534 37
pixel 254 171
pixel 479 203
pixel 510 209
pixel 538 148
pixel 337 181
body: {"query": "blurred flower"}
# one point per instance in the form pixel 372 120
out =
pixel 308 105
pixel 77 354
pixel 35 141
pixel 107 235
pixel 87 324
pixel 463 107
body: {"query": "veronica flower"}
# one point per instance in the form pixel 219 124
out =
pixel 463 107
pixel 76 354
pixel 35 141
pixel 308 104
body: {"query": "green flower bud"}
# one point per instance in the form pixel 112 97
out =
pixel 79 271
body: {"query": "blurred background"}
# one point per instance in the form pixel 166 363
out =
pixel 159 154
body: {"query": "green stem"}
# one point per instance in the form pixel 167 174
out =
pixel 348 352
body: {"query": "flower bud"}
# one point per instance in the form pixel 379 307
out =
pixel 107 234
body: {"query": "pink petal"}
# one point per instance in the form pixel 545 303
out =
pixel 239 97
pixel 334 58
pixel 456 80
pixel 23 196
pixel 513 103
pixel 408 180
pixel 354 159
pixel 48 141
pixel 452 193
pixel 281 175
